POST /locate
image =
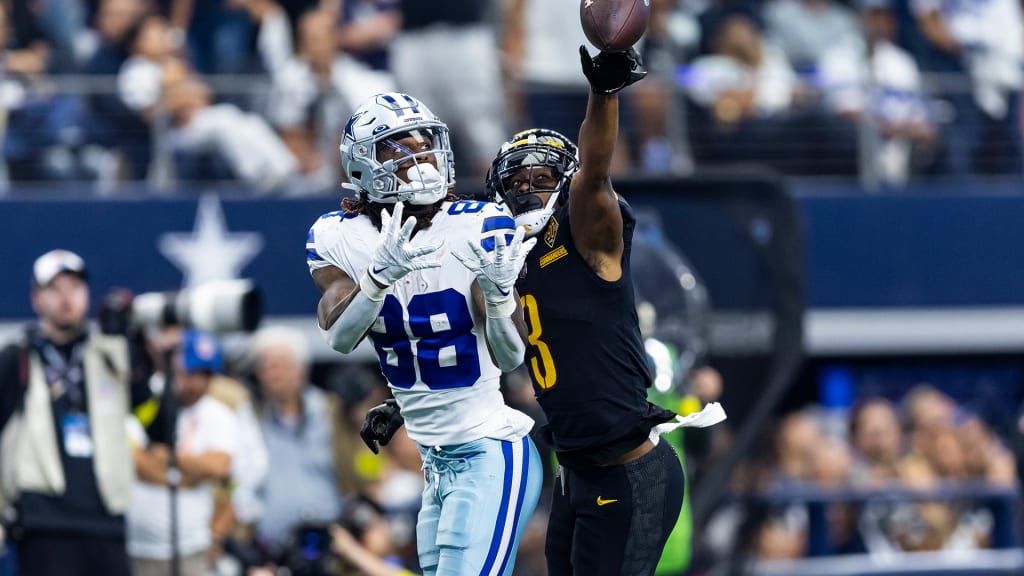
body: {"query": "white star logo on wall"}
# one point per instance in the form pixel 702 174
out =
pixel 210 252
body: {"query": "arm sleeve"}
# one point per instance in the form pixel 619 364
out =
pixel 505 342
pixel 353 324
pixel 502 336
pixel 332 242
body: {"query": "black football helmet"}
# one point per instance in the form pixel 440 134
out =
pixel 530 149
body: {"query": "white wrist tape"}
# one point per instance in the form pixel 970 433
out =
pixel 373 291
pixel 503 309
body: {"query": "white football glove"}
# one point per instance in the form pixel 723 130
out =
pixel 496 273
pixel 393 258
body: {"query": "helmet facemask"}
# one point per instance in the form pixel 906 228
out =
pixel 516 177
pixel 410 162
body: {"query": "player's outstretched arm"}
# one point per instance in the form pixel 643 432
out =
pixel 495 297
pixel 347 309
pixel 593 206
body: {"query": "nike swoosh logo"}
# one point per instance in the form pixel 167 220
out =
pixel 376 271
pixel 503 292
pixel 603 502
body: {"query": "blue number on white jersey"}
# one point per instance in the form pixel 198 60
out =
pixel 446 349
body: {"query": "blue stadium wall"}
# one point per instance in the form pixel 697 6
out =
pixel 928 248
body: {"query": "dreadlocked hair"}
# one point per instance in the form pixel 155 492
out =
pixel 423 214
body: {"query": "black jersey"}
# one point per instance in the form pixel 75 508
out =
pixel 585 354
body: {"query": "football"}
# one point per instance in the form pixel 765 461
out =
pixel 614 25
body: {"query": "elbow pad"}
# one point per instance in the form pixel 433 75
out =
pixel 505 342
pixel 353 324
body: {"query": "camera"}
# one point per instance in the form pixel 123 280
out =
pixel 220 306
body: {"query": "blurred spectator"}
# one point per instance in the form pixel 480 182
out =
pixel 984 39
pixel 877 83
pixel 401 492
pixel 152 65
pixel 877 441
pixel 358 387
pixel 155 79
pixel 783 530
pixel 111 123
pixel 37 125
pixel 928 412
pixel 65 395
pixel 274 39
pixel 296 8
pixel 365 30
pixel 540 60
pixel 318 89
pixel 831 470
pixel 362 539
pixel 947 455
pixel 213 33
pixel 746 77
pixel 31 50
pixel 63 23
pixel 206 444
pixel 806 29
pixel 447 54
pixel 749 107
pixel 798 440
pixel 541 63
pixel 987 458
pixel 238 506
pixel 657 139
pixel 934 525
pixel 298 427
pixel 241 141
pixel 713 13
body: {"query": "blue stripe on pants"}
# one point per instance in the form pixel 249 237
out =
pixel 522 494
pixel 506 494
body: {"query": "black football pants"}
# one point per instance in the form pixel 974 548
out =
pixel 614 521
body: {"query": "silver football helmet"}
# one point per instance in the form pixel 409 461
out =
pixel 378 125
pixel 531 149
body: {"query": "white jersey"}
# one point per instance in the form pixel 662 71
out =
pixel 428 336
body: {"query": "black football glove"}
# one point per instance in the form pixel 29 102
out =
pixel 381 423
pixel 609 72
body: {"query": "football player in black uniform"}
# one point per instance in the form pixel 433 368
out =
pixel 619 490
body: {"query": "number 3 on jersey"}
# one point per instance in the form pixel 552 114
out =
pixel 446 354
pixel 541 362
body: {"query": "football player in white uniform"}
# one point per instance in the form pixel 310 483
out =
pixel 431 280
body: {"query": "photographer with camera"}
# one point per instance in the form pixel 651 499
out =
pixel 206 443
pixel 361 538
pixel 66 395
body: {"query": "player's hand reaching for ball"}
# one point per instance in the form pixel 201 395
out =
pixel 496 272
pixel 393 257
pixel 609 72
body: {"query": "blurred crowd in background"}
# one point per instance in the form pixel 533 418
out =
pixel 872 455
pixel 258 90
